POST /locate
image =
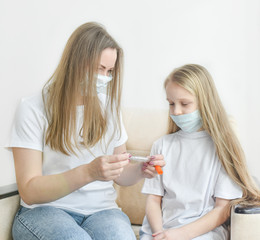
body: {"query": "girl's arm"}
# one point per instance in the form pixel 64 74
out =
pixel 154 213
pixel 35 188
pixel 210 221
pixel 205 224
pixel 133 173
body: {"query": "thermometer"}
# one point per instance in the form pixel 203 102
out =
pixel 146 159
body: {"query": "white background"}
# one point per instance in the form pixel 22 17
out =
pixel 156 35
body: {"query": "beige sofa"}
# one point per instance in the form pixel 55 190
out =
pixel 143 128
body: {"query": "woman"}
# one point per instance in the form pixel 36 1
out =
pixel 69 146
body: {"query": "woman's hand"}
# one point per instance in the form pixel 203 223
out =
pixel 148 168
pixel 106 168
pixel 171 234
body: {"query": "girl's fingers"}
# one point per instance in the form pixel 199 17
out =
pixel 153 170
pixel 156 157
pixel 151 173
pixel 157 160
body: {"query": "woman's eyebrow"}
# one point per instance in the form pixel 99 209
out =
pixel 100 65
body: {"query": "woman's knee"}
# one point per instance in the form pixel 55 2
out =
pixel 109 224
pixel 46 223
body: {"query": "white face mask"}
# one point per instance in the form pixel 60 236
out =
pixel 190 122
pixel 102 82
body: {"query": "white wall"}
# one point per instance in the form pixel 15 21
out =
pixel 156 36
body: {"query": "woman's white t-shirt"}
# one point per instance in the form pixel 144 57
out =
pixel 29 128
pixel 193 177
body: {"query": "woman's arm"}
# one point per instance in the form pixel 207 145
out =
pixel 35 188
pixel 205 224
pixel 154 213
pixel 133 173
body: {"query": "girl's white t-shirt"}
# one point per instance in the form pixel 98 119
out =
pixel 29 128
pixel 193 177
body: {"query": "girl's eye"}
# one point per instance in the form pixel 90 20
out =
pixel 171 104
pixel 185 104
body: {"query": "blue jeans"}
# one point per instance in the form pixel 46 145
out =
pixel 51 223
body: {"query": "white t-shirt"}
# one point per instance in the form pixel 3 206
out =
pixel 193 177
pixel 29 128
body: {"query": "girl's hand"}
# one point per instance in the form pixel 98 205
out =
pixel 171 234
pixel 148 168
pixel 106 168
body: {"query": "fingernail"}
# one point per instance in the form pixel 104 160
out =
pixel 143 168
pixel 152 157
pixel 151 163
pixel 130 155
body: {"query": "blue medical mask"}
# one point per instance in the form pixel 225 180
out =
pixel 189 123
pixel 102 82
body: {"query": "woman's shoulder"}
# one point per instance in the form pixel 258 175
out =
pixel 32 103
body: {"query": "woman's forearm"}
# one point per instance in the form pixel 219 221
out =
pixel 131 175
pixel 43 189
pixel 36 188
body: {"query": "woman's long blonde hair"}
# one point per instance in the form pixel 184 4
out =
pixel 75 75
pixel 197 80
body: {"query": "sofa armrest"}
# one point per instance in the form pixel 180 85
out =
pixel 8 191
pixel 9 204
pixel 247 209
pixel 245 222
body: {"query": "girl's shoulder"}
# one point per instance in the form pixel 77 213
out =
pixel 181 136
pixel 168 138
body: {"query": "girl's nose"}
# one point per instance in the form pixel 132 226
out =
pixel 177 111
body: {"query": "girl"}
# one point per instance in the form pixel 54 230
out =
pixel 206 169
pixel 69 146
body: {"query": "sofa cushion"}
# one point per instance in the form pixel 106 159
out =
pixel 132 202
pixel 8 209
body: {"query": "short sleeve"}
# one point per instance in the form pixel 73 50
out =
pixel 122 137
pixel 154 185
pixel 225 187
pixel 28 127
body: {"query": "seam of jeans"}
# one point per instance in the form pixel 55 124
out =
pixel 90 233
pixel 23 222
pixel 19 211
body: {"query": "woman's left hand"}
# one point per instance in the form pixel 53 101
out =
pixel 148 168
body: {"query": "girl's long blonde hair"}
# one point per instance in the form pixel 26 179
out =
pixel 197 80
pixel 75 75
